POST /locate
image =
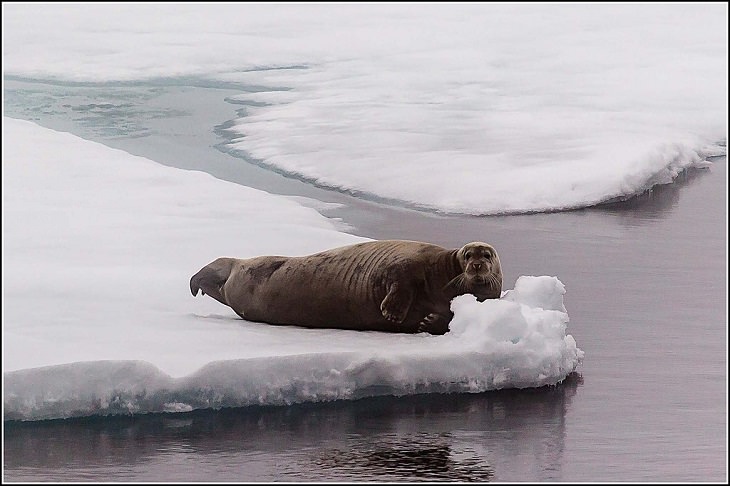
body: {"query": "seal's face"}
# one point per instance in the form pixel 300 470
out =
pixel 481 265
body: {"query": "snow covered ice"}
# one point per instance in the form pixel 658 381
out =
pixel 547 106
pixel 99 247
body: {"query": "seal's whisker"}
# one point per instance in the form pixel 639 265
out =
pixel 456 282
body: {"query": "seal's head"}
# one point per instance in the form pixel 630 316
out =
pixel 482 270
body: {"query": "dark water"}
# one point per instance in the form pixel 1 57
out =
pixel 427 437
pixel 646 285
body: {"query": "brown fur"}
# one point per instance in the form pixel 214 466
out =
pixel 393 285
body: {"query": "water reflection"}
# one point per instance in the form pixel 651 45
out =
pixel 457 437
pixel 424 456
pixel 657 201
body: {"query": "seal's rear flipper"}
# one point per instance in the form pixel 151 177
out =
pixel 211 278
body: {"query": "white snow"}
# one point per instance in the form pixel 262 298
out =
pixel 98 249
pixel 470 108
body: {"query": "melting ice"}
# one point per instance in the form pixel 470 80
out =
pixel 477 109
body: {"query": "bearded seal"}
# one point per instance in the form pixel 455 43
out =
pixel 391 285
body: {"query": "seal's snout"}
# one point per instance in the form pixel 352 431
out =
pixel 478 269
pixel 480 277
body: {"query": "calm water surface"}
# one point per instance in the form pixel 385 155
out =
pixel 427 437
pixel 646 285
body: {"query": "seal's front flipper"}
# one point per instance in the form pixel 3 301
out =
pixel 396 303
pixel 435 324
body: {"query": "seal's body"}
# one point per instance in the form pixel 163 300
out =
pixel 396 286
